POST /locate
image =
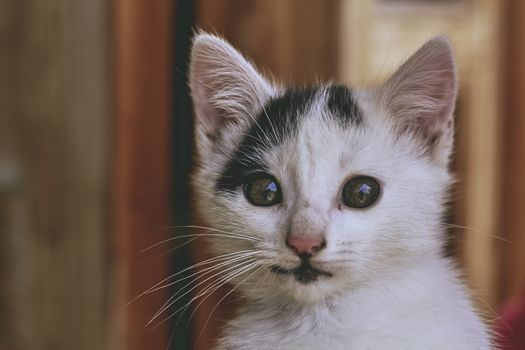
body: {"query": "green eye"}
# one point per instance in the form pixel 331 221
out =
pixel 361 192
pixel 262 190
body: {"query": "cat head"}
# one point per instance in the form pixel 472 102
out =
pixel 311 192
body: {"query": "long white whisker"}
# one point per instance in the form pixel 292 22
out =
pixel 224 297
pixel 195 236
pixel 171 250
pixel 177 297
pixel 216 285
pixel 208 291
pixel 213 229
pixel 205 262
pixel 477 231
pixel 203 272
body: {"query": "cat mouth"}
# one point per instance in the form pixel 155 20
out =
pixel 304 273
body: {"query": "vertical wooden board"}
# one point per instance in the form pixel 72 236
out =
pixel 55 109
pixel 141 164
pixel 512 185
pixel 482 176
pixel 293 40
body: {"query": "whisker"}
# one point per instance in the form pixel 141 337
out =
pixel 173 299
pixel 211 229
pixel 224 297
pixel 236 258
pixel 226 279
pixel 213 288
pixel 223 281
pixel 335 261
pixel 169 251
pixel 201 263
pixel 477 231
pixel 202 272
pixel 195 236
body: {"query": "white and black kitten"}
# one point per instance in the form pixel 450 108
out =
pixel 326 205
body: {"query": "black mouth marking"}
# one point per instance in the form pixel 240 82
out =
pixel 304 273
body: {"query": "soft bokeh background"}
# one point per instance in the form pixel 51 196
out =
pixel 95 148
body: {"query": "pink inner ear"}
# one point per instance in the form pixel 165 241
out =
pixel 226 88
pixel 421 95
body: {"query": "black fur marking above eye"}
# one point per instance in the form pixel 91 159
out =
pixel 341 103
pixel 276 122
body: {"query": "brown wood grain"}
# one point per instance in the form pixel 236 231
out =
pixel 141 166
pixel 54 119
pixel 512 189
pixel 293 40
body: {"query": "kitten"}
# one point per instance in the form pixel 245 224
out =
pixel 325 204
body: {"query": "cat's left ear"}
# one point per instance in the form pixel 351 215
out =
pixel 421 96
pixel 227 92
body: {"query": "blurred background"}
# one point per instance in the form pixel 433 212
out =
pixel 96 141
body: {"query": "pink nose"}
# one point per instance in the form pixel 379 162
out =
pixel 305 244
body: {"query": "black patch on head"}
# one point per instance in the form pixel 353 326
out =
pixel 341 103
pixel 275 122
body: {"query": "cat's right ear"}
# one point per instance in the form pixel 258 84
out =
pixel 226 89
pixel 421 96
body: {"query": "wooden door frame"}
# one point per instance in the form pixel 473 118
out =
pixel 141 189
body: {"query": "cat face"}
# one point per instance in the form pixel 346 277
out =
pixel 312 192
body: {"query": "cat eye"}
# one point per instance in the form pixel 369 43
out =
pixel 361 192
pixel 262 190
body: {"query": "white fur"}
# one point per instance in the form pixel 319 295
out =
pixel 391 288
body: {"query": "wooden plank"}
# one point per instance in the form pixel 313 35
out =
pixel 482 175
pixel 295 40
pixel 142 176
pixel 55 110
pixel 512 185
